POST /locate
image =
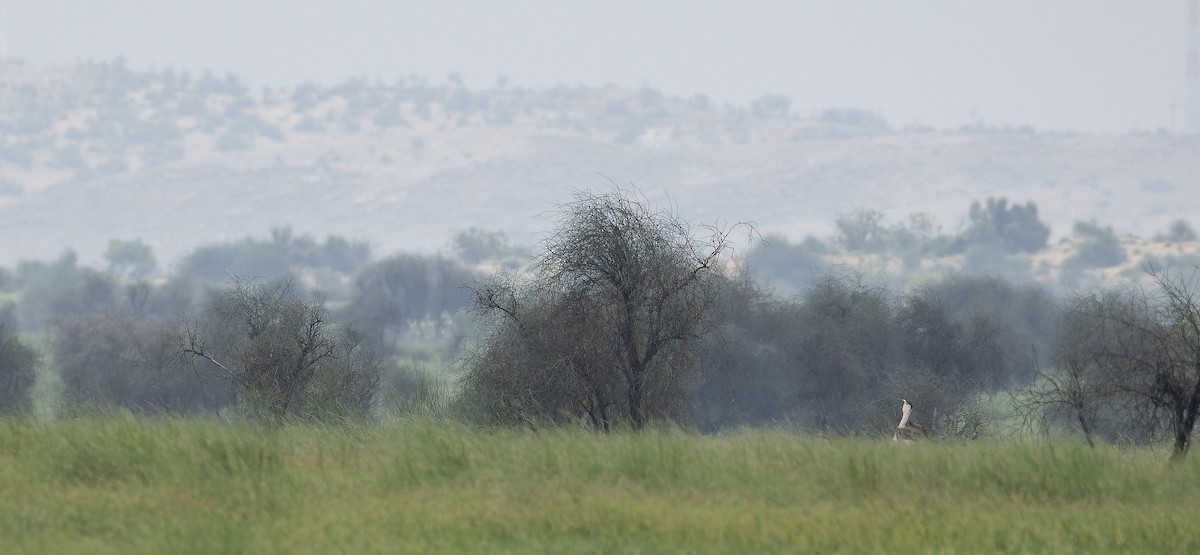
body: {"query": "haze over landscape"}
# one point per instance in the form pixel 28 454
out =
pixel 1070 65
pixel 787 114
pixel 599 277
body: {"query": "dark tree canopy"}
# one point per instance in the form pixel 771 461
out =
pixel 388 294
pixel 1127 364
pixel 133 258
pixel 1016 228
pixel 276 347
pixel 608 320
pixel 841 355
pixel 62 289
pixel 118 358
pixel 283 253
pixel 18 365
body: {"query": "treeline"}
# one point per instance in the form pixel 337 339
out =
pixel 626 315
pixel 841 355
pixel 116 337
pixel 998 238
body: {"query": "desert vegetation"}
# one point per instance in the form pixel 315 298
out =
pixel 626 315
pixel 635 382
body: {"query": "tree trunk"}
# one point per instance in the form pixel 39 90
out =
pixel 1185 422
pixel 636 415
pixel 636 373
pixel 1182 442
pixel 606 425
pixel 1083 424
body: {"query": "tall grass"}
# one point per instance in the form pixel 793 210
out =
pixel 117 484
pixel 46 395
pixel 426 395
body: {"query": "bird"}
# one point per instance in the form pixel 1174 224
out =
pixel 905 410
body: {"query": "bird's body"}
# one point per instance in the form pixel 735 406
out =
pixel 905 410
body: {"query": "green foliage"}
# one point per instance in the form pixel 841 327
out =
pixel 132 258
pixel 1098 247
pixel 1127 364
pixel 606 324
pixel 1179 231
pixel 387 296
pixel 61 289
pixel 116 358
pixel 1006 324
pixel 951 348
pixel 281 255
pixel 1016 228
pixel 814 361
pixel 117 484
pixel 415 392
pixel 840 356
pixel 861 230
pixel 275 346
pixel 475 246
pixel 752 376
pixel 991 259
pixel 783 266
pixel 845 339
pixel 18 365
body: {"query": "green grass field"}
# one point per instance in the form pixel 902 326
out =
pixel 115 484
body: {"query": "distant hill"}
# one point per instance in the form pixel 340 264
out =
pixel 96 151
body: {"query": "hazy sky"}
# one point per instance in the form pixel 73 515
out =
pixel 1084 65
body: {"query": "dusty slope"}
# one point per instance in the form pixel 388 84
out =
pixel 181 162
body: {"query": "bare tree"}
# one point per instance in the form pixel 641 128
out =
pixel 278 349
pixel 1078 384
pixel 1133 355
pixel 1161 355
pixel 611 315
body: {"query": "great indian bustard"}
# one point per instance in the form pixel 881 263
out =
pixel 906 428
